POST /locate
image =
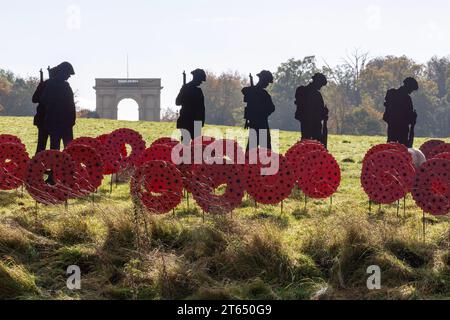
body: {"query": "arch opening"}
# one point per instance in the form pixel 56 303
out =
pixel 128 110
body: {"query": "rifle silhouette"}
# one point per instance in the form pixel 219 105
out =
pixel 247 122
pixel 41 74
pixel 325 133
pixel 184 78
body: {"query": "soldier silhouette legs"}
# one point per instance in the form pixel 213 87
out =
pixel 311 132
pixel 191 132
pixel 42 140
pixel 187 135
pixel 55 144
pixel 259 138
pixel 55 139
pixel 398 134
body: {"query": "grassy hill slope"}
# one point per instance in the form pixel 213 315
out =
pixel 257 253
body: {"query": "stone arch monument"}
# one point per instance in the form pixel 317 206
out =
pixel 146 93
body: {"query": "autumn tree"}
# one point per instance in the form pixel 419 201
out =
pixel 339 103
pixel 5 89
pixel 169 115
pixel 16 93
pixel 289 76
pixel 438 71
pixel 384 73
pixel 223 98
pixel 343 93
pixel 18 102
pixel 362 121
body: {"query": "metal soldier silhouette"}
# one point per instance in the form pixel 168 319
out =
pixel 259 108
pixel 400 114
pixel 39 118
pixel 60 114
pixel 192 102
pixel 311 110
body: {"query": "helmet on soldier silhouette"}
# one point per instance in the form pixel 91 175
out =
pixel 66 68
pixel 199 74
pixel 411 84
pixel 265 76
pixel 320 79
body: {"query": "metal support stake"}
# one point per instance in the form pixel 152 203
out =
pixel 331 204
pixel 404 206
pixel 424 222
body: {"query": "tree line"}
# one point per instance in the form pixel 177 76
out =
pixel 15 94
pixel 355 94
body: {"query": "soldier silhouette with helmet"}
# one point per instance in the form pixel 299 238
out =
pixel 311 110
pixel 400 114
pixel 192 102
pixel 259 107
pixel 58 99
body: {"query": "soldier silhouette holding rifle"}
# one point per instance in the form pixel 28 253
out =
pixel 192 102
pixel 59 102
pixel 259 108
pixel 400 114
pixel 39 118
pixel 311 110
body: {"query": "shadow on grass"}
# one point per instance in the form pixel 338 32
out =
pixel 376 215
pixel 248 203
pixel 187 212
pixel 281 221
pixel 300 214
pixel 9 198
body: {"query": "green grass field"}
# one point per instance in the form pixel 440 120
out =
pixel 257 253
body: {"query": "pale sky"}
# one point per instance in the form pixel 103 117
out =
pixel 165 37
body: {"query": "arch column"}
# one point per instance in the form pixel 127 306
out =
pixel 105 105
pixel 151 108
